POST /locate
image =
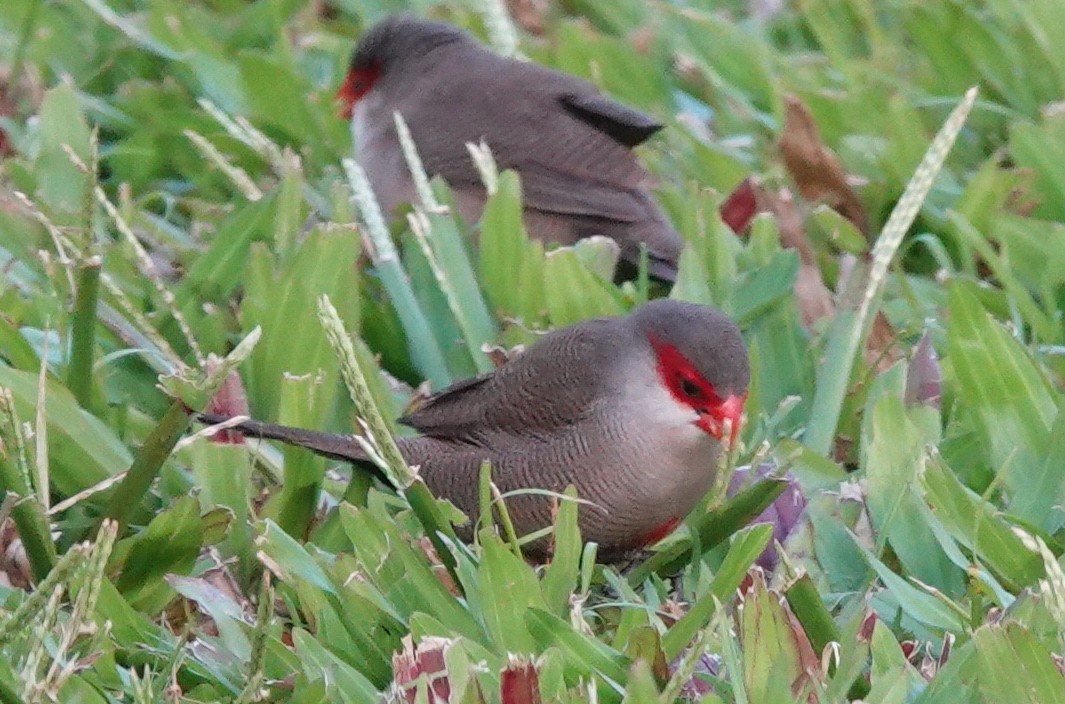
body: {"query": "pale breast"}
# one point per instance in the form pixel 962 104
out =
pixel 664 463
pixel 378 152
pixel 679 460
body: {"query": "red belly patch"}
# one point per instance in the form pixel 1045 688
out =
pixel 660 532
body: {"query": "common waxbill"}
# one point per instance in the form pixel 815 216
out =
pixel 570 144
pixel 632 411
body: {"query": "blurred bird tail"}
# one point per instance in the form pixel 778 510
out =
pixel 335 446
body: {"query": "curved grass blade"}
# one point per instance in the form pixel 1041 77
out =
pixel 852 325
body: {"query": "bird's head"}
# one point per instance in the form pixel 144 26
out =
pixel 386 48
pixel 701 360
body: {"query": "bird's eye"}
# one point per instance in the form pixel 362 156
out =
pixel 690 389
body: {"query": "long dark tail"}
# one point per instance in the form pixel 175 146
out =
pixel 334 446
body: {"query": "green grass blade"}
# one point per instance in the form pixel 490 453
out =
pixel 711 528
pixel 423 347
pixel 747 545
pixel 83 332
pixel 851 326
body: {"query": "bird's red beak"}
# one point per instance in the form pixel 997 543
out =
pixel 713 421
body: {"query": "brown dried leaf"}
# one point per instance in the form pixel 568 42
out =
pixel 742 205
pixel 425 663
pixel 216 584
pixel 843 452
pixel 865 631
pixel 14 563
pixel 87 661
pixel 672 611
pixel 643 39
pixel 688 73
pixel 765 10
pixel 7 109
pixel 230 401
pixel 924 377
pixel 808 659
pixel 948 646
pixel 708 666
pixel 530 14
pixel 881 347
pixel 439 570
pixel 519 683
pixel 326 10
pixel 814 299
pixel 645 643
pixel 1024 198
pixel 928 667
pixel 498 355
pixel 789 221
pixel 815 168
pixel 772 611
pixel 420 395
pixel 222 579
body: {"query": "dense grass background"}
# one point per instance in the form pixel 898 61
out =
pixel 171 183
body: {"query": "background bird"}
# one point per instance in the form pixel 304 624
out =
pixel 570 144
pixel 633 411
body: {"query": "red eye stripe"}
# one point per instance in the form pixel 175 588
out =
pixel 677 373
pixel 356 84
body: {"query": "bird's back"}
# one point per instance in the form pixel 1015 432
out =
pixel 570 144
pixel 582 407
pixel 515 108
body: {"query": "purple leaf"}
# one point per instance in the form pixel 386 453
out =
pixel 924 378
pixel 784 514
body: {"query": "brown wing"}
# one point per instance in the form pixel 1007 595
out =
pixel 624 125
pixel 570 144
pixel 550 386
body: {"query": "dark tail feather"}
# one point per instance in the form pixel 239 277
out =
pixel 334 446
pixel 659 270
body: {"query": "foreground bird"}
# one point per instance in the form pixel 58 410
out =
pixel 570 144
pixel 632 411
